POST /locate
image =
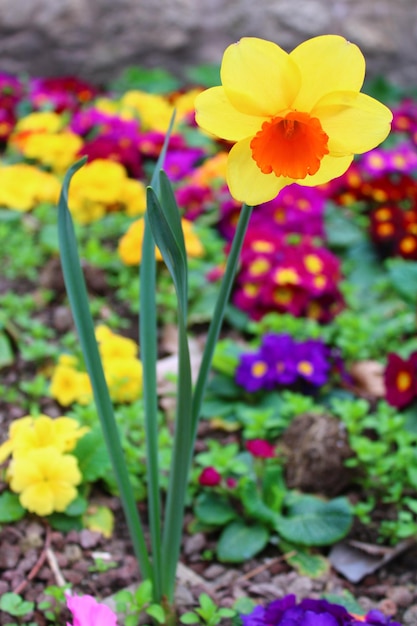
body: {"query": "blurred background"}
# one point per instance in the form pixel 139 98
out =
pixel 98 39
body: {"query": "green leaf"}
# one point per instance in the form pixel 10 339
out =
pixel 214 509
pixel 92 455
pixel 240 542
pixel 347 600
pixel 157 612
pixel 10 508
pixel 78 298
pixel 189 618
pixel 304 561
pixel 14 604
pixel 403 276
pixel 6 350
pixel 77 507
pixel 310 521
pixel 254 505
pixel 165 235
pixel 65 523
pixel 99 519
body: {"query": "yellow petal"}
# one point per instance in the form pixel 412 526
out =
pixel 23 472
pixel 259 77
pixel 327 63
pixel 330 167
pixel 246 181
pixel 354 122
pixel 38 498
pixel 218 116
pixel 63 494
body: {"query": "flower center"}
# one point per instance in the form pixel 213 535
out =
pixel 291 146
pixel 403 381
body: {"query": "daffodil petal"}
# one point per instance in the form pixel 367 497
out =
pixel 327 63
pixel 259 77
pixel 354 122
pixel 330 167
pixel 218 116
pixel 246 181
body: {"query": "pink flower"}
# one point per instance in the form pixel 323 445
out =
pixel 260 448
pixel 209 477
pixel 86 611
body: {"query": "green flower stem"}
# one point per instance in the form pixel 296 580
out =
pixel 77 295
pixel 148 349
pixel 218 315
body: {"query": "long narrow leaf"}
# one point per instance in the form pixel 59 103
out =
pixel 165 239
pixel 165 221
pixel 148 346
pixel 77 295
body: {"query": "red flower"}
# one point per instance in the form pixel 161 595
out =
pixel 260 448
pixel 209 477
pixel 401 380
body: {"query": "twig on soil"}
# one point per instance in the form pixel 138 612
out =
pixel 35 569
pixel 53 564
pixel 264 566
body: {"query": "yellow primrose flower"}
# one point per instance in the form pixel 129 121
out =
pixel 100 186
pixel 133 197
pixel 45 121
pixel 30 433
pixel 297 117
pixel 124 378
pixel 57 151
pixel 130 244
pixel 45 480
pixel 103 332
pixel 65 384
pixel 23 186
pixel 118 347
pixel 153 110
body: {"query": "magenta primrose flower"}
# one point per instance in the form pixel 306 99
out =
pixel 286 612
pixel 260 448
pixel 86 611
pixel 209 477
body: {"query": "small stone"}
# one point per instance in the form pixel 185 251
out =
pixel 401 595
pixel 89 538
pixel 73 552
pixel 4 587
pixel 194 543
pixel 410 616
pixel 9 556
pixel 214 571
pixel 387 607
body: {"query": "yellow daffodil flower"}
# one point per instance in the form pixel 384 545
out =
pixel 45 480
pixel 297 117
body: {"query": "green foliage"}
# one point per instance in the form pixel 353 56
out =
pixel 207 613
pixel 133 604
pixel 309 521
pixel 240 541
pixel 386 460
pixel 155 80
pixel 10 508
pixel 92 456
pixel 14 604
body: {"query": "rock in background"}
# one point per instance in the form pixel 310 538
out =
pixel 97 39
